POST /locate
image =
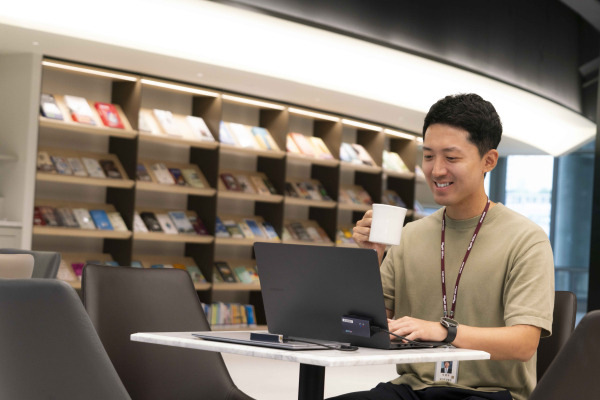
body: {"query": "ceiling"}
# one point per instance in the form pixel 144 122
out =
pixel 159 59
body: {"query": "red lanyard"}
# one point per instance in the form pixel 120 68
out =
pixel 462 266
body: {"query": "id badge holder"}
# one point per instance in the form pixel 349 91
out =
pixel 446 371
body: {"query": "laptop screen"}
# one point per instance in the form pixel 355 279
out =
pixel 307 289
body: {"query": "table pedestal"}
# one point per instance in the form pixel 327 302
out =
pixel 312 382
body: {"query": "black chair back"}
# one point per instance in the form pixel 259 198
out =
pixel 48 346
pixel 122 301
pixel 563 323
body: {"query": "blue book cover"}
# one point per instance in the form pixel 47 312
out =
pixel 263 133
pixel 225 136
pixel 253 225
pixel 220 229
pixel 271 232
pixel 101 220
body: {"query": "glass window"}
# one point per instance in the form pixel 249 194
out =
pixel 529 187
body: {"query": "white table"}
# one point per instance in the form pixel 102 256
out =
pixel 313 362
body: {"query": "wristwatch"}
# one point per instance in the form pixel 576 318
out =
pixel 452 327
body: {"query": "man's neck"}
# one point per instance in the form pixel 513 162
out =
pixel 467 211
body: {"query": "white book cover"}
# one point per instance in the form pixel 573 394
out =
pixel 162 174
pixel 117 221
pixel 244 135
pixel 147 123
pixel 138 224
pixel 246 230
pixel 314 234
pixel 166 224
pixel 77 166
pixel 182 222
pixel 199 128
pixel 93 167
pixel 84 219
pixel 80 109
pixel 167 122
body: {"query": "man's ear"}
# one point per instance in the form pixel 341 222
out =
pixel 490 159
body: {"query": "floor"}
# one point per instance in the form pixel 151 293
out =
pixel 266 379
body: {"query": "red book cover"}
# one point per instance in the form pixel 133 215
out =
pixel 109 115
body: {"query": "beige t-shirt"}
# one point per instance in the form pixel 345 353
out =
pixel 507 280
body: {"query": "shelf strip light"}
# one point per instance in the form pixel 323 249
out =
pixel 361 125
pixel 257 103
pixel 179 88
pixel 400 134
pixel 90 71
pixel 313 114
pixel 420 140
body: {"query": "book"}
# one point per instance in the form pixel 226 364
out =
pixel 166 224
pixel 66 217
pixel 314 234
pixel 220 229
pixel 348 154
pixel 101 220
pixel 117 221
pixel 225 135
pixel 230 182
pixel 269 230
pixel 93 167
pixel 150 221
pixel 38 218
pixel 266 137
pixel 44 163
pixel 245 183
pixel 323 192
pixel 65 272
pixel 253 273
pixel 167 122
pixel 291 146
pixel 141 173
pixel 242 274
pixel 363 154
pixel 49 216
pixel 147 123
pixel 312 190
pixel 243 135
pixel 49 108
pixel 259 184
pixel 138 223
pixel 161 174
pixel 303 143
pixel 177 176
pixel 109 115
pixel 181 222
pixel 62 165
pixel 136 264
pixel 255 228
pixel 269 186
pixel 80 110
pixel 198 225
pixel 301 189
pixel 225 271
pixel 78 269
pixel 216 278
pixel 299 230
pixel 321 150
pixel 195 274
pixel 84 219
pixel 77 166
pixel 199 128
pixel 192 177
pixel 246 231
pixel 234 229
pixel 110 169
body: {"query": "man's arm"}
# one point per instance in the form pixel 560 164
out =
pixel 518 342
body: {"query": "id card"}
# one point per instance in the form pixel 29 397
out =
pixel 446 371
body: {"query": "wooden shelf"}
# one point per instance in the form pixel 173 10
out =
pixel 243 242
pixel 76 232
pixel 228 287
pixel 309 203
pixel 173 140
pixel 347 245
pixel 265 198
pixel 47 123
pixel 179 238
pixel 360 167
pixel 84 180
pixel 177 189
pixel 229 149
pixel 300 158
pixel 327 244
pixel 399 174
pixel 354 207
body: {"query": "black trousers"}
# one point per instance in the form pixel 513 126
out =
pixel 390 391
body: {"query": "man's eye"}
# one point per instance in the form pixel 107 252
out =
pixel 451 158
pixel 427 157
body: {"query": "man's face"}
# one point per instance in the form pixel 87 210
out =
pixel 452 165
pixel 446 364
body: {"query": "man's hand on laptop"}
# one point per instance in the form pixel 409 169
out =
pixel 361 235
pixel 417 329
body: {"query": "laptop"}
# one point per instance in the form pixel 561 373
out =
pixel 16 266
pixel 307 290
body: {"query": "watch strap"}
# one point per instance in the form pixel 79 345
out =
pixel 452 331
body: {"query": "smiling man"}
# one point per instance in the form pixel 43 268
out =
pixel 474 274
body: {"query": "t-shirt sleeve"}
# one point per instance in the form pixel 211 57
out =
pixel 388 274
pixel 529 289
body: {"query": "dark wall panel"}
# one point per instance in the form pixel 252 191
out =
pixel 531 44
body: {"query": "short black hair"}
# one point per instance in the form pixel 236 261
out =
pixel 471 113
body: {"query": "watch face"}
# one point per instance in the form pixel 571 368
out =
pixel 448 322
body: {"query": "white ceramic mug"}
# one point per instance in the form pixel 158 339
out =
pixel 386 227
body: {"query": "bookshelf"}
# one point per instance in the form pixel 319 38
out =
pixel 136 145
